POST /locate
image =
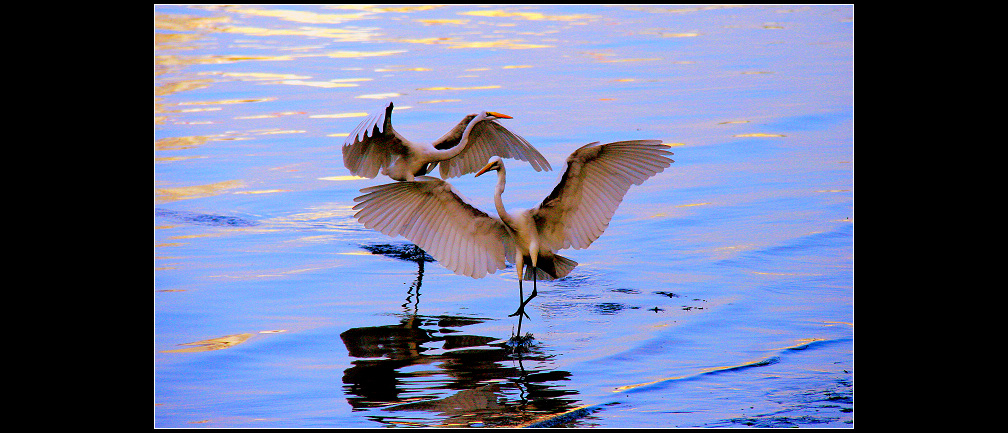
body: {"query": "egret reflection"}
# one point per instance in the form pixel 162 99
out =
pixel 409 253
pixel 429 364
pixel 432 366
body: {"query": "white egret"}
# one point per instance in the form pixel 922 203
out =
pixel 432 214
pixel 464 149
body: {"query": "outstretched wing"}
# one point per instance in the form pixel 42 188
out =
pixel 487 138
pixel 373 144
pixel 583 202
pixel 432 214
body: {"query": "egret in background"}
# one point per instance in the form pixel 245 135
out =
pixel 434 215
pixel 464 149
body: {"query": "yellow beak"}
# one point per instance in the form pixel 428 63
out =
pixel 499 115
pixel 484 169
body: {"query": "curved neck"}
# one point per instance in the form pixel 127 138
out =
pixel 498 202
pixel 454 151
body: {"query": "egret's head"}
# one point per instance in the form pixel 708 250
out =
pixel 495 163
pixel 491 115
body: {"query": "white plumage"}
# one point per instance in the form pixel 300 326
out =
pixel 432 214
pixel 374 145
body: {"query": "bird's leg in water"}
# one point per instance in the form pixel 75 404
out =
pixel 534 293
pixel 521 309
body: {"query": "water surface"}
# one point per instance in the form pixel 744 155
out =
pixel 720 295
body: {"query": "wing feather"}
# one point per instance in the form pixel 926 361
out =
pixel 489 138
pixel 431 214
pixel 373 144
pixel 582 204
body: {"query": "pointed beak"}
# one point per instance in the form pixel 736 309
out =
pixel 484 169
pixel 499 115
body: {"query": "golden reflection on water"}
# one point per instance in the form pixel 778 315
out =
pixel 167 195
pixel 338 116
pixel 799 344
pixel 345 54
pixel 213 343
pixel 342 178
pixel 340 35
pixel 305 17
pixel 380 96
pixel 270 115
pixel 219 343
pixel 758 134
pixel 532 16
pixel 442 21
pixel 460 88
pixel 227 101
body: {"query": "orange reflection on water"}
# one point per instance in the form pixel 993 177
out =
pixel 186 23
pixel 306 17
pixel 516 44
pixel 213 343
pixel 166 195
pixel 460 88
pixel 532 16
pixel 441 21
pixel 341 35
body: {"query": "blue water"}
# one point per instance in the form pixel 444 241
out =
pixel 720 295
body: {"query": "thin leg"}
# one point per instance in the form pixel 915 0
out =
pixel 521 295
pixel 525 302
pixel 521 308
pixel 534 293
pixel 520 321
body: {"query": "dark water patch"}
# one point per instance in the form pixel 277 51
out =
pixel 782 421
pixel 573 280
pixel 813 407
pixel 770 360
pixel 627 291
pixel 566 419
pixel 204 219
pixel 608 308
pixel 401 251
pixel 471 380
pixel 829 404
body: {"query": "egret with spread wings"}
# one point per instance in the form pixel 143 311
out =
pixel 432 214
pixel 375 146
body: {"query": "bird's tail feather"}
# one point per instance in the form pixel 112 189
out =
pixel 549 268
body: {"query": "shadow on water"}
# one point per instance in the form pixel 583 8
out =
pixel 203 219
pixel 410 253
pixel 411 365
pixel 428 371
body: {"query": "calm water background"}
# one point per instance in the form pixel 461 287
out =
pixel 720 295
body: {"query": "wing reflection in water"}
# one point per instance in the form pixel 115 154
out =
pixel 410 253
pixel 400 368
pixel 427 371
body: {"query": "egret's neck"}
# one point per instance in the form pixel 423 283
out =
pixel 498 202
pixel 454 151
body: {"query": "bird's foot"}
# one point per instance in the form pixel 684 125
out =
pixel 520 311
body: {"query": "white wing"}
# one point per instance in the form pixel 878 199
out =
pixel 373 144
pixel 583 202
pixel 489 138
pixel 430 213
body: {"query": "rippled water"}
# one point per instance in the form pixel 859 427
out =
pixel 720 295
